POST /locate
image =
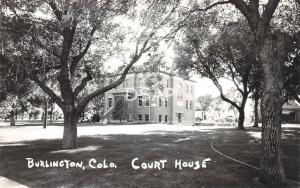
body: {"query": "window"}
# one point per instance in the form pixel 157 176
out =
pixel 187 89
pixel 125 83
pixel 186 104
pixel 191 105
pixel 140 100
pixel 147 100
pixel 160 102
pixel 146 117
pixel 140 82
pixel 109 102
pixel 159 118
pixel 166 102
pixel 166 118
pixel 192 89
pixel 179 95
pixel 140 117
pixel 129 96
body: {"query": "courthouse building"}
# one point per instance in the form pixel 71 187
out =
pixel 291 112
pixel 168 99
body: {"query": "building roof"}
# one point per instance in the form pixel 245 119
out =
pixel 171 73
pixel 291 105
pixel 134 70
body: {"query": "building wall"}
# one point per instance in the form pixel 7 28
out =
pixel 297 116
pixel 291 111
pixel 183 90
pixel 154 110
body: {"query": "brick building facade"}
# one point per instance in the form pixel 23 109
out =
pixel 170 100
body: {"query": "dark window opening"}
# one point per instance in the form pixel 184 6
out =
pixel 146 117
pixel 140 117
pixel 109 102
pixel 140 99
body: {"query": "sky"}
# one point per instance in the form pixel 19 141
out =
pixel 205 86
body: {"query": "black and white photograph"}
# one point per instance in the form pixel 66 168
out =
pixel 150 93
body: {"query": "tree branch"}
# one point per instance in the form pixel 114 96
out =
pixel 13 10
pixel 210 6
pixel 47 90
pixel 250 12
pixel 76 59
pixel 234 81
pixel 87 99
pixel 40 44
pixel 136 56
pixel 242 6
pixel 55 9
pixel 45 69
pixel 83 83
pixel 212 77
pixel 269 11
pixel 64 74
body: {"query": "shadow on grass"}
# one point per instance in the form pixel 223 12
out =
pixel 155 145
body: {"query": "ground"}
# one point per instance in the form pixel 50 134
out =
pixel 121 144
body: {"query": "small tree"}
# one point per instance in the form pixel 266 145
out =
pixel 204 103
pixel 226 55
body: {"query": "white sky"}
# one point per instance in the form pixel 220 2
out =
pixel 205 86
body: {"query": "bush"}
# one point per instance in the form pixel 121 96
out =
pixel 95 118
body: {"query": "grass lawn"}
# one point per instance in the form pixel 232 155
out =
pixel 121 144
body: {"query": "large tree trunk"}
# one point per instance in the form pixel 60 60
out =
pixel 12 118
pixel 70 130
pixel 241 119
pixel 242 112
pixel 255 112
pixel 271 171
pixel 45 112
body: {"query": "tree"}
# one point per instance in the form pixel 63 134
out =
pixel 272 48
pixel 12 103
pixel 13 91
pixel 256 98
pixel 257 85
pixel 291 74
pixel 59 44
pixel 40 100
pixel 204 103
pixel 225 56
pixel 218 105
pixel 51 112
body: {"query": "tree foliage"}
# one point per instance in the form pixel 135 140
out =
pixel 229 54
pixel 70 40
pixel 204 103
